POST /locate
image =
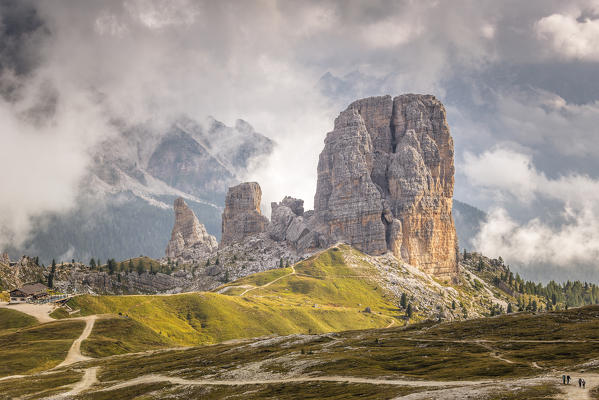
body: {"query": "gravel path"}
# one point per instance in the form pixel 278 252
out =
pixel 235 382
pixel 270 283
pixel 74 355
pixel 88 380
pixel 39 311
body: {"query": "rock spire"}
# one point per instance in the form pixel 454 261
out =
pixel 242 216
pixel 188 233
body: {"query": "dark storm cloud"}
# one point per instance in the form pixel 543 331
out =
pixel 21 32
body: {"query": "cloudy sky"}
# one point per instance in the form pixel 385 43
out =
pixel 520 81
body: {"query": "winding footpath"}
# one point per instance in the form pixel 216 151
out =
pixel 270 283
pixel 244 382
pixel 74 355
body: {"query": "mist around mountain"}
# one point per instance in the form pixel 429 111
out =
pixel 124 206
pixel 467 220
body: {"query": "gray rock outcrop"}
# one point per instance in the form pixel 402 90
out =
pixel 385 181
pixel 242 216
pixel 288 223
pixel 188 233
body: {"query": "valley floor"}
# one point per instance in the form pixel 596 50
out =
pixel 481 359
pixel 361 345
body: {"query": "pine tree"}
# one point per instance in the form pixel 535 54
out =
pixel 453 305
pixel 111 266
pixel 403 301
pixel 217 262
pixel 140 267
pixel 51 275
pixel 92 263
pixel 509 308
pixel 130 265
pixel 281 263
pixel 409 311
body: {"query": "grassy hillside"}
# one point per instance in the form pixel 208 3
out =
pixel 337 289
pixel 119 336
pixel 324 294
pixel 34 347
pixel 519 356
pixel 12 319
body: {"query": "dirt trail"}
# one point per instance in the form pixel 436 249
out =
pixel 227 288
pixel 74 355
pixel 40 311
pixel 271 282
pixel 209 382
pixel 89 379
pixel 573 392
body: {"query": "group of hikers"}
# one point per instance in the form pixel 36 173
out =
pixel 581 382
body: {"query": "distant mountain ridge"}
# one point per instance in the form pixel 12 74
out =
pixel 124 206
pixel 468 220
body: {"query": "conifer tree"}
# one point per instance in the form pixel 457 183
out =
pixel 403 302
pixel 51 275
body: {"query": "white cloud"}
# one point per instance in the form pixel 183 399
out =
pixel 43 161
pixel 488 31
pixel 391 32
pixel 158 14
pixel 535 242
pixel 570 36
pixel 109 24
pixel 570 239
pixel 503 171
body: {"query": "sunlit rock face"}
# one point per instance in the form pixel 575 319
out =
pixel 188 233
pixel 385 181
pixel 242 216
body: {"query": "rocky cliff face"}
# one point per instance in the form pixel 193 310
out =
pixel 385 181
pixel 4 259
pixel 188 233
pixel 242 216
pixel 24 271
pixel 290 224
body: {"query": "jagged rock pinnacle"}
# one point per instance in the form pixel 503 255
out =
pixel 188 232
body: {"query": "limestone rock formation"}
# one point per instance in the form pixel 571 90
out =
pixel 188 233
pixel 242 216
pixel 288 223
pixel 4 259
pixel 385 181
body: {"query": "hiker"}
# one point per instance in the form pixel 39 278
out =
pixel 568 379
pixel 579 382
pixel 564 379
pixel 584 383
